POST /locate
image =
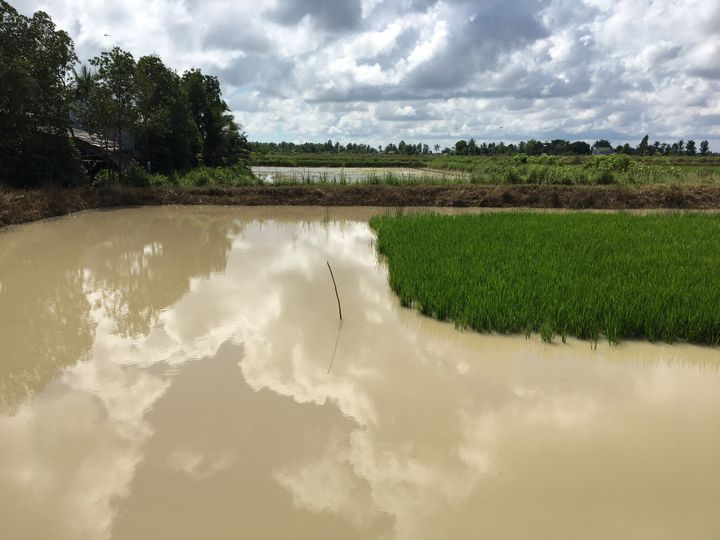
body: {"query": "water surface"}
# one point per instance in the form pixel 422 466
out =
pixel 171 373
pixel 271 174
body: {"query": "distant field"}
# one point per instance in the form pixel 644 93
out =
pixel 587 275
pixel 328 176
pixel 339 160
pixel 521 169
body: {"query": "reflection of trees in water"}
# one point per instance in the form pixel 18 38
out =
pixel 139 268
pixel 45 321
pixel 146 267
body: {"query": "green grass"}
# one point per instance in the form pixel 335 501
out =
pixel 135 175
pixel 654 277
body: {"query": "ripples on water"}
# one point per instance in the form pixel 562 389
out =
pixel 165 373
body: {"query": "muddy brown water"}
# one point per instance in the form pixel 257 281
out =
pixel 171 373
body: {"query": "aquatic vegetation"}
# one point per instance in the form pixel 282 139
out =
pixel 341 177
pixel 619 275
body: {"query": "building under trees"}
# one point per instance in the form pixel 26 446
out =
pixel 60 123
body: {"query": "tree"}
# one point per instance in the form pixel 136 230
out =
pixel 557 147
pixel 35 68
pixel 690 148
pixel 461 147
pixel 704 148
pixel 116 96
pixel 602 143
pixel 167 136
pixel 84 81
pixel 223 141
pixel 89 104
pixel 534 148
pixel 579 148
pixel 472 148
pixel 642 148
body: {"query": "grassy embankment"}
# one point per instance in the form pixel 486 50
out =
pixel 619 276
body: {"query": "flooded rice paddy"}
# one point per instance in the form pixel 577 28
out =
pixel 182 373
pixel 272 174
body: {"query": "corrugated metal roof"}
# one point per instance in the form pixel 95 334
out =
pixel 86 137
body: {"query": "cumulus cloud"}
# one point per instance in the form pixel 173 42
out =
pixel 493 70
pixel 329 15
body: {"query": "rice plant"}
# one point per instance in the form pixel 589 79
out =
pixel 654 277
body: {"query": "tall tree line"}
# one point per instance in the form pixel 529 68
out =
pixel 679 148
pixel 137 109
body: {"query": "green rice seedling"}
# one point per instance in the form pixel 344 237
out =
pixel 616 276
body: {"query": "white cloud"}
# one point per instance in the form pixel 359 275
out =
pixel 310 71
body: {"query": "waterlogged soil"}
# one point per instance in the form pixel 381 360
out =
pixel 272 174
pixel 171 373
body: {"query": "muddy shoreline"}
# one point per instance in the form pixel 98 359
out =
pixel 23 206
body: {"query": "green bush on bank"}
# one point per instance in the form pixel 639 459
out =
pixel 136 176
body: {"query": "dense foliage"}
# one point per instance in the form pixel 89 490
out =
pixel 35 60
pixel 615 275
pixel 137 113
pixel 167 122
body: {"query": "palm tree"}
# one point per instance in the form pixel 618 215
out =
pixel 84 81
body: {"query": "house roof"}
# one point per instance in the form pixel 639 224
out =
pixel 92 140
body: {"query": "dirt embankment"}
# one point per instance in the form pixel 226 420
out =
pixel 23 206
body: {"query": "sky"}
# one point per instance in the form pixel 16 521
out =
pixel 431 71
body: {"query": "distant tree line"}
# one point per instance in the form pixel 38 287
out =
pixel 560 147
pixel 330 147
pixel 532 147
pixel 137 110
pixel 679 148
pixel 311 148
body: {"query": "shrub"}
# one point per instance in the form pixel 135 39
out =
pixel 512 176
pixel 106 178
pixel 135 175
